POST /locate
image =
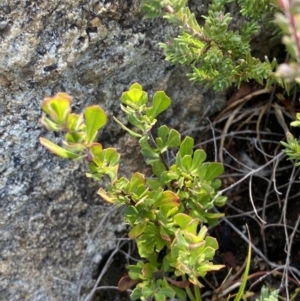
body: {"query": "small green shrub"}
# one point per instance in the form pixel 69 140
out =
pixel 166 213
pixel 218 56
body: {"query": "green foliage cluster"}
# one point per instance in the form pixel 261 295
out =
pixel 166 213
pixel 81 132
pixel 292 146
pixel 267 295
pixel 218 56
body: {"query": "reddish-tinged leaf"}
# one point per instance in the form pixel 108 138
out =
pixel 181 284
pixel 169 198
pixel 58 107
pixel 126 283
pixel 163 233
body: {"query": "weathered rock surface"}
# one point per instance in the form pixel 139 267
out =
pixel 93 50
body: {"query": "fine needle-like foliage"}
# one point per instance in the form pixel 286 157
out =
pixel 218 56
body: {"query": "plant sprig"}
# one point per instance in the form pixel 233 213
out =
pixel 167 213
pixel 218 56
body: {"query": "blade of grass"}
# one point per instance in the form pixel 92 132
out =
pixel 241 291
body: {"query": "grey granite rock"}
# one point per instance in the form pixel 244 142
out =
pixel 93 50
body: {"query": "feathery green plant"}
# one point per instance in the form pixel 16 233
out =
pixel 218 56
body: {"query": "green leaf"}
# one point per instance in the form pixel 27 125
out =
pixel 164 234
pixel 49 124
pixel 144 142
pixel 216 184
pixel 179 243
pixel 209 253
pixel 158 168
pixel 174 138
pixel 160 145
pixel 147 291
pixel 131 214
pixel 95 118
pixel 192 226
pixel 159 297
pixel 110 156
pixel 242 288
pixel 215 216
pixel 137 180
pixel 198 158
pixel 213 170
pixel 154 184
pixel 220 201
pixel 169 198
pixel 104 158
pixel 182 220
pixel 136 86
pixel 295 123
pixel 180 293
pixel 163 132
pixel 186 147
pixel 187 163
pixel 148 270
pixel 149 153
pixel 74 147
pixel 211 242
pixel 167 138
pixel 186 222
pixel 167 291
pixel 136 293
pixel 160 103
pixel 61 152
pixel 202 233
pixel 202 171
pixel 58 107
pixel 137 230
pixel 134 98
pixel 149 240
pixel 74 122
pixel 95 149
pixel 75 137
pixel 107 162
